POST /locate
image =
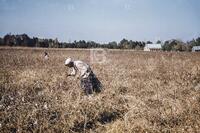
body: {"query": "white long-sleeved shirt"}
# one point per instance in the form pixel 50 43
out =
pixel 81 67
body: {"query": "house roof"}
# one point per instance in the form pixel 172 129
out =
pixel 153 46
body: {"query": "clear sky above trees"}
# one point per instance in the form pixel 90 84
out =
pixel 102 20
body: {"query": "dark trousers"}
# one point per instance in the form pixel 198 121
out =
pixel 91 84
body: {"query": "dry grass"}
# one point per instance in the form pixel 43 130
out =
pixel 143 92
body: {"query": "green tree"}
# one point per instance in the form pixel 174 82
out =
pixel 123 43
pixel 149 42
pixel 158 42
pixel 112 45
pixel 1 41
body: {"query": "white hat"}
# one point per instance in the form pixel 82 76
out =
pixel 68 60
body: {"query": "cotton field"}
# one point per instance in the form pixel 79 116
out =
pixel 142 91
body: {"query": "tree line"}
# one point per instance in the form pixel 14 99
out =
pixel 25 40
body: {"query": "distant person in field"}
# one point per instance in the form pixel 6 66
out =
pixel 89 82
pixel 46 56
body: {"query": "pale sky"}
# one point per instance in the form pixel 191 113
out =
pixel 101 20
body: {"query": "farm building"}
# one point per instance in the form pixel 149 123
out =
pixel 152 47
pixel 196 49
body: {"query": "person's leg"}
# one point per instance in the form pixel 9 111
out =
pixel 86 85
pixel 88 88
pixel 96 84
pixel 82 84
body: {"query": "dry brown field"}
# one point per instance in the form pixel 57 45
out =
pixel 143 92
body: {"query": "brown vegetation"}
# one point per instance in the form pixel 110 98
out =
pixel 143 92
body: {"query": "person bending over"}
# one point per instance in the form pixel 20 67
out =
pixel 89 81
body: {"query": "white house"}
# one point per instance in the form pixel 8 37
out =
pixel 152 47
pixel 196 49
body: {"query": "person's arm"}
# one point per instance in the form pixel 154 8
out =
pixel 83 71
pixel 73 73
